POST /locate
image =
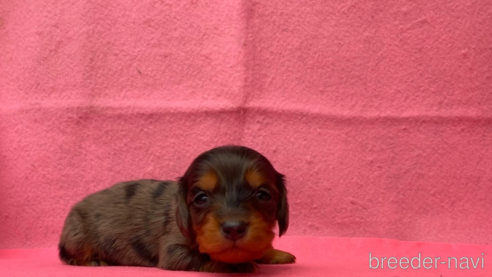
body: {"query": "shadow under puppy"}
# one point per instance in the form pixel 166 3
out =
pixel 219 217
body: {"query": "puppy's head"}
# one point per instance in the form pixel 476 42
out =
pixel 229 201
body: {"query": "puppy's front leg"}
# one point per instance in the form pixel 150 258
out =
pixel 182 257
pixel 274 256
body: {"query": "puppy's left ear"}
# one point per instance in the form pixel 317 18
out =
pixel 283 206
pixel 182 214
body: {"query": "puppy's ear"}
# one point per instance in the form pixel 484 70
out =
pixel 182 214
pixel 283 206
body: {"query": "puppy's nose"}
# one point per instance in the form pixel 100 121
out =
pixel 234 230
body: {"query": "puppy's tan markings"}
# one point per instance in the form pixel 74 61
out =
pixel 254 178
pixel 208 181
pixel 211 241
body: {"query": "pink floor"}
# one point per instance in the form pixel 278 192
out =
pixel 316 256
pixel 378 112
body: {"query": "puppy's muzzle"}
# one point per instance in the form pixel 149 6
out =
pixel 234 230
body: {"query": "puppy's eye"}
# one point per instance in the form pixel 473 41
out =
pixel 263 195
pixel 201 199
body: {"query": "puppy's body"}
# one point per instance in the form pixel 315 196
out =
pixel 126 224
pixel 217 218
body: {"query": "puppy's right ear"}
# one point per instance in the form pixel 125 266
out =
pixel 182 214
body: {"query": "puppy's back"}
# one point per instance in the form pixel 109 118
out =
pixel 120 225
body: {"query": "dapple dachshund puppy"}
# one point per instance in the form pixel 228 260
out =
pixel 218 217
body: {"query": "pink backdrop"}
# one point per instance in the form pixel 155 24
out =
pixel 378 112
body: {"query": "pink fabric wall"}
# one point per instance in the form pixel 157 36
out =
pixel 378 112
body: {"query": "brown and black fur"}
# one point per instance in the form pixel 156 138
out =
pixel 219 217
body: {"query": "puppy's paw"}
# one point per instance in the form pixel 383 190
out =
pixel 86 263
pixel 274 256
pixel 97 263
pixel 219 267
pixel 242 268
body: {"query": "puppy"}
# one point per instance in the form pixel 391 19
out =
pixel 218 217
